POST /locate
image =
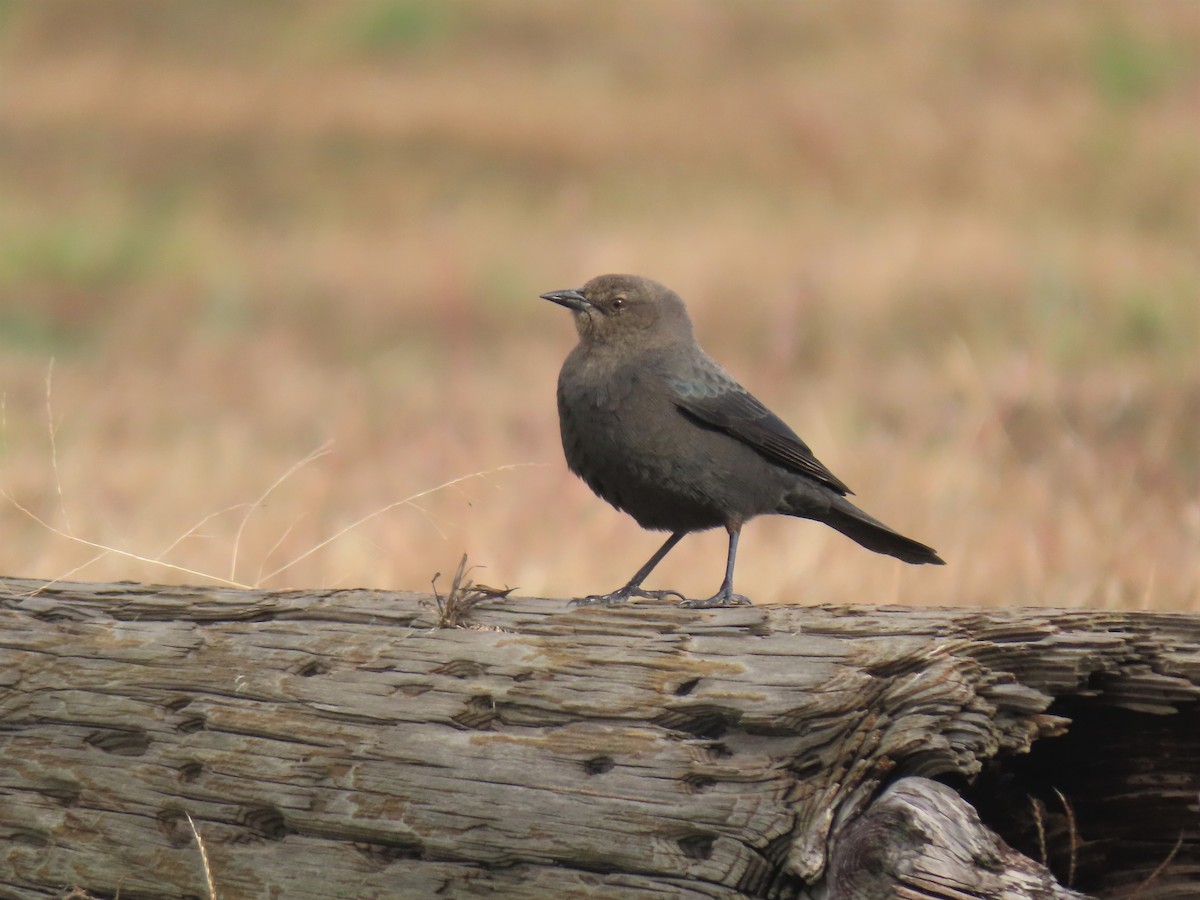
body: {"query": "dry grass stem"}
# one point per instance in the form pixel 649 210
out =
pixel 1072 837
pixel 52 431
pixel 194 529
pixel 208 876
pixel 1039 822
pixel 316 454
pixel 1159 869
pixel 279 542
pixel 106 550
pixel 407 501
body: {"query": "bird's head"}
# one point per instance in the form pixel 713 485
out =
pixel 626 309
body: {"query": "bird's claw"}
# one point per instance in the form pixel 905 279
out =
pixel 719 600
pixel 622 595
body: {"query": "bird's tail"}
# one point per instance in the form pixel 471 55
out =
pixel 874 535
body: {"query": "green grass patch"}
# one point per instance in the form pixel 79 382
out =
pixel 399 27
pixel 1128 69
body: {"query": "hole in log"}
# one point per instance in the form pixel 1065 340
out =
pixel 190 771
pixel 65 793
pixel 120 743
pixel 698 845
pixel 697 783
pixel 478 713
pixel 460 668
pixel 598 765
pixel 177 703
pixel 28 837
pixel 703 720
pixel 1128 783
pixel 718 750
pixel 264 821
pixel 313 667
pixel 686 688
pixel 806 768
pixel 54 616
pixel 190 724
pixel 173 824
pixel 383 854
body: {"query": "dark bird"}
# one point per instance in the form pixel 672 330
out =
pixel 659 430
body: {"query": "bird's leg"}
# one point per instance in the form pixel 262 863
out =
pixel 725 596
pixel 634 588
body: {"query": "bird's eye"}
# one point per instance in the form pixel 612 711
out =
pixel 618 302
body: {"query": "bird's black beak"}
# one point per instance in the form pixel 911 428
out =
pixel 570 299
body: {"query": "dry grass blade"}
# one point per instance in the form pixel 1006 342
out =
pixel 125 553
pixel 407 501
pixel 1039 821
pixel 323 450
pixel 316 454
pixel 208 877
pixel 53 430
pixel 1072 834
pixel 1157 873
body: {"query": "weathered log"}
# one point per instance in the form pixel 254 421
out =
pixel 342 744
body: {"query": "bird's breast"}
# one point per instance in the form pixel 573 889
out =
pixel 612 418
pixel 621 435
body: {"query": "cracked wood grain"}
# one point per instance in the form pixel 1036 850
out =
pixel 337 743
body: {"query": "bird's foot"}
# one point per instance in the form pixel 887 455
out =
pixel 622 595
pixel 719 600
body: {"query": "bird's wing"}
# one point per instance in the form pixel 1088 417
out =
pixel 714 398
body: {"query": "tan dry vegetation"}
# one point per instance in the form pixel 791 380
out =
pixel 954 245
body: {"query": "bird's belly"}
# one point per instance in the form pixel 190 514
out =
pixel 673 479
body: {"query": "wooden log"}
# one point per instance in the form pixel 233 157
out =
pixel 342 744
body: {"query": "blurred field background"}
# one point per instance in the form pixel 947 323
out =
pixel 955 245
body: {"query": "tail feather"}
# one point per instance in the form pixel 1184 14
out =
pixel 874 535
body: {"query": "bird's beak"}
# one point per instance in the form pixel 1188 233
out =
pixel 570 299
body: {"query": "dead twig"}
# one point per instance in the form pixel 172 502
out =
pixel 455 608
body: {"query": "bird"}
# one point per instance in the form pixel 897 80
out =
pixel 655 427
